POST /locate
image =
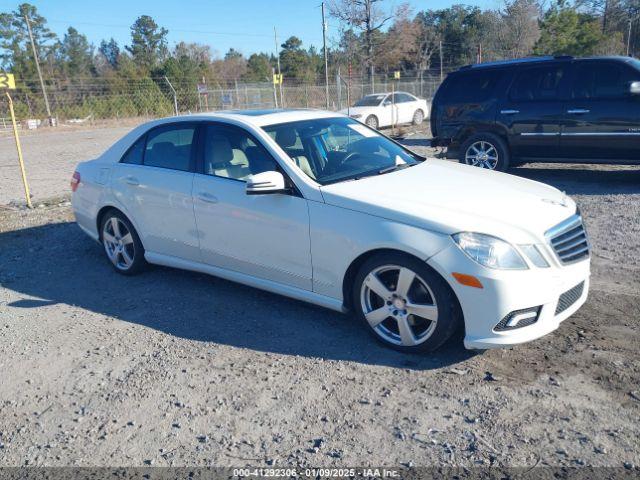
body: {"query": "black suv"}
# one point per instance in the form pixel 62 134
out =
pixel 544 109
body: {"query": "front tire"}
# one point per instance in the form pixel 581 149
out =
pixel 485 150
pixel 121 243
pixel 404 303
pixel 372 121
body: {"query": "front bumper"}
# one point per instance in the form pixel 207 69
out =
pixel 507 291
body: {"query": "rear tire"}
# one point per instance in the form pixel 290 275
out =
pixel 418 117
pixel 404 303
pixel 121 244
pixel 485 150
pixel 372 121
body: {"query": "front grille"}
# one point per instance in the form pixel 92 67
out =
pixel 569 240
pixel 569 297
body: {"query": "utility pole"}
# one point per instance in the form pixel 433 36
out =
pixel 35 57
pixel 440 45
pixel 629 38
pixel 479 55
pixel 326 62
pixel 275 38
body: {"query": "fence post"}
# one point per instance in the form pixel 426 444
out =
pixel 339 89
pixel 175 95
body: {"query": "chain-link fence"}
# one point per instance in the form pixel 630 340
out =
pixel 341 93
pixel 88 99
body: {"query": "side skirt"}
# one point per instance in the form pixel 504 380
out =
pixel 268 285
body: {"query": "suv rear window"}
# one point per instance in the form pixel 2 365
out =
pixel 535 84
pixel 471 87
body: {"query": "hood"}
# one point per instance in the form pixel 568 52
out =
pixel 448 197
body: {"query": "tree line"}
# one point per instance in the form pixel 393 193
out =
pixel 373 38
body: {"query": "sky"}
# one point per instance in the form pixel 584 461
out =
pixel 246 25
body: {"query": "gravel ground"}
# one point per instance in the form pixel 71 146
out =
pixel 176 368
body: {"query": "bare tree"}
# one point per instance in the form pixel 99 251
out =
pixel 364 16
pixel 400 44
pixel 520 28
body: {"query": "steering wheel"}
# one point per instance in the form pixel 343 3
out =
pixel 350 157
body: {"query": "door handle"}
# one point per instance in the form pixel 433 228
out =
pixel 207 197
pixel 132 181
pixel 509 112
pixel 577 111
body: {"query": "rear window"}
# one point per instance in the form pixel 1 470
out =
pixel 471 87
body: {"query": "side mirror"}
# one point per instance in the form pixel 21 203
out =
pixel 386 103
pixel 634 88
pixel 265 182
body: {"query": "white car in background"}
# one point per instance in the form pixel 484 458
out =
pixel 387 109
pixel 319 207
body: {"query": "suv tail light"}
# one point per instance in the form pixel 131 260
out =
pixel 75 181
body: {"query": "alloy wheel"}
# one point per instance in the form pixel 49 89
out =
pixel 482 154
pixel 399 305
pixel 372 122
pixel 418 117
pixel 118 243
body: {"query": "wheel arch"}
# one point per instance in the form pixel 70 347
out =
pixel 471 130
pixel 106 209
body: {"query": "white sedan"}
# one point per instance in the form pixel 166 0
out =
pixel 387 109
pixel 319 207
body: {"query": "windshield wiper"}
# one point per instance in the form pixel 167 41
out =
pixel 393 168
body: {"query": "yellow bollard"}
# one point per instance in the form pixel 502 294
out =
pixel 17 138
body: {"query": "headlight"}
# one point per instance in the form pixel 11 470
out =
pixel 356 115
pixel 533 253
pixel 490 251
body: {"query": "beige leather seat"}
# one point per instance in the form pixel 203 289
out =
pixel 225 161
pixel 287 139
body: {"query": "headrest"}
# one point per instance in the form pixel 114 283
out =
pixel 163 148
pixel 220 151
pixel 286 137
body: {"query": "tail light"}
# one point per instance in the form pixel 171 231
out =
pixel 75 181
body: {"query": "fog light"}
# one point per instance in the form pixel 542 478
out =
pixel 518 319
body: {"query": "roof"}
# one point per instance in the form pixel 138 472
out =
pixel 260 118
pixel 519 61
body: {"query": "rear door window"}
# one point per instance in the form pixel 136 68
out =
pixel 170 147
pixel 472 87
pixel 537 84
pixel 601 80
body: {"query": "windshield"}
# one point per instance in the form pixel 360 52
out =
pixel 332 150
pixel 370 101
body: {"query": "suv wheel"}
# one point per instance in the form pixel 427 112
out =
pixel 372 121
pixel 485 150
pixel 405 304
